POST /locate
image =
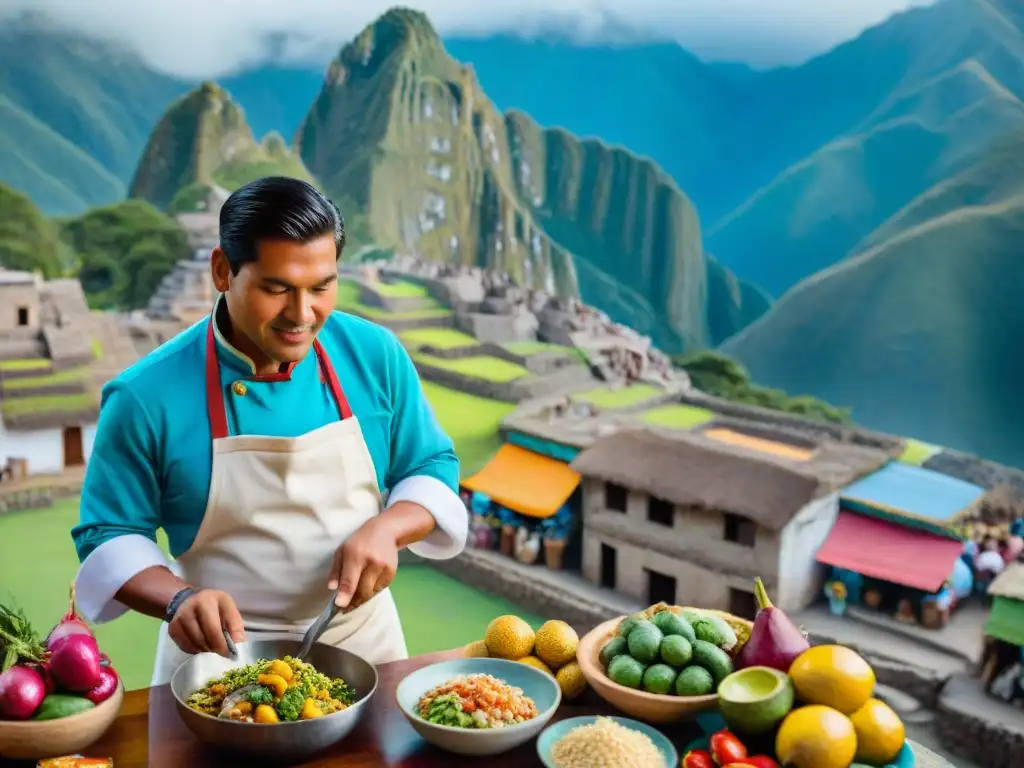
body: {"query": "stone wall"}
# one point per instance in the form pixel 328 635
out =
pixel 973 469
pixel 965 729
pixel 27 373
pixel 399 324
pixel 507 391
pixel 62 388
pixel 36 498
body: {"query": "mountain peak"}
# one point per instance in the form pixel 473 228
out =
pixel 203 141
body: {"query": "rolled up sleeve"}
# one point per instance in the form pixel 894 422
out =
pixel 424 468
pixel 119 512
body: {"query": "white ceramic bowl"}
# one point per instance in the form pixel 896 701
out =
pixel 538 685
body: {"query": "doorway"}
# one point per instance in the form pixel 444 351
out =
pixel 742 603
pixel 74 451
pixel 660 588
pixel 22 316
pixel 609 566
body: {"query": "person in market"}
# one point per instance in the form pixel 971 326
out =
pixel 264 440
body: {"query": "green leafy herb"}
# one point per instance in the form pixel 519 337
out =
pixel 259 696
pixel 291 703
pixel 18 641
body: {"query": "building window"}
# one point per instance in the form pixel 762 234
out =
pixel 22 316
pixel 740 530
pixel 608 566
pixel 660 588
pixel 742 603
pixel 615 497
pixel 661 512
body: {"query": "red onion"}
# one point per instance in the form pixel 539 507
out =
pixel 22 690
pixel 44 672
pixel 70 625
pixel 76 663
pixel 105 689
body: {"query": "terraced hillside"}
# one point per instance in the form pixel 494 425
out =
pixel 406 134
pixel 203 141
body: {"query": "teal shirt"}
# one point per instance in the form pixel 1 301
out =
pixel 152 456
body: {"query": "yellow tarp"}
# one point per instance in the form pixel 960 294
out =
pixel 525 482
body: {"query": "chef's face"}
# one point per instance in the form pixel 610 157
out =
pixel 279 302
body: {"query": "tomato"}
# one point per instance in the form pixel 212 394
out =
pixel 759 761
pixel 726 748
pixel 698 758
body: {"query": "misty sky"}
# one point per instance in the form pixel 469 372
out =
pixel 200 38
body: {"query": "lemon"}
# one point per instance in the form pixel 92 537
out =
pixel 570 680
pixel 475 649
pixel 816 737
pixel 533 661
pixel 509 637
pixel 880 733
pixel 555 643
pixel 833 676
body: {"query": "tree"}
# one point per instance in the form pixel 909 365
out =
pixel 28 241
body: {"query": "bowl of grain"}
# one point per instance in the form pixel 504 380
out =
pixel 596 741
pixel 643 705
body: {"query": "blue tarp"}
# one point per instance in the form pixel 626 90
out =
pixel 915 492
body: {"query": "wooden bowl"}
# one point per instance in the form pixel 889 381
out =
pixel 649 707
pixel 39 739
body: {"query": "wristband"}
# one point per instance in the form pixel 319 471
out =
pixel 179 597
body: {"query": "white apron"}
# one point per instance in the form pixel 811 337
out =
pixel 278 509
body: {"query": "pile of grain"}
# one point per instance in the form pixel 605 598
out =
pixel 605 744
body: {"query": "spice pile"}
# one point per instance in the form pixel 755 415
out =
pixel 44 680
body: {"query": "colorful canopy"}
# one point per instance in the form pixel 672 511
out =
pixel 525 482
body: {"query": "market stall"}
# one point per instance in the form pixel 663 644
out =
pixel 1003 654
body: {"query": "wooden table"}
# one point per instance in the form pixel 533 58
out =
pixel 149 732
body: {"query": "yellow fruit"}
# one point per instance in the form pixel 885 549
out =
pixel 880 733
pixel 533 661
pixel 509 637
pixel 475 649
pixel 833 676
pixel 816 737
pixel 570 680
pixel 555 643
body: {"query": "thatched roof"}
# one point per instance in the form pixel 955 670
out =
pixel 1009 583
pixel 691 470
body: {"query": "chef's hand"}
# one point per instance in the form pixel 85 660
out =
pixel 365 564
pixel 199 623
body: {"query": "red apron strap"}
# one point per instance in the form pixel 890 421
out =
pixel 327 371
pixel 214 395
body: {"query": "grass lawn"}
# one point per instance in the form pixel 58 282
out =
pixel 678 416
pixel 440 338
pixel 471 422
pixel 47 379
pixel 437 612
pixel 16 406
pixel 917 453
pixel 605 397
pixel 479 367
pixel 32 364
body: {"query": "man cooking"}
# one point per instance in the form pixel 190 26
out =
pixel 261 440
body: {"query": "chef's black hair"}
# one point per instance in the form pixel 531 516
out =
pixel 276 208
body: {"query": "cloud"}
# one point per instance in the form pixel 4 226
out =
pixel 199 38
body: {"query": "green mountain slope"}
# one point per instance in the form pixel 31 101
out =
pixel 201 142
pixel 943 84
pixel 920 333
pixel 408 134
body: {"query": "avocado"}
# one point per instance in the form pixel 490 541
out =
pixel 713 659
pixel 627 624
pixel 694 681
pixel 644 642
pixel 674 624
pixel 728 634
pixel 755 700
pixel 627 671
pixel 658 678
pixel 614 647
pixel 676 650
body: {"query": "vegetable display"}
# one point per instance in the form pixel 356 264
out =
pixel 272 691
pixel 62 676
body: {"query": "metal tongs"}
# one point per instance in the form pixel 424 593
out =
pixel 317 628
